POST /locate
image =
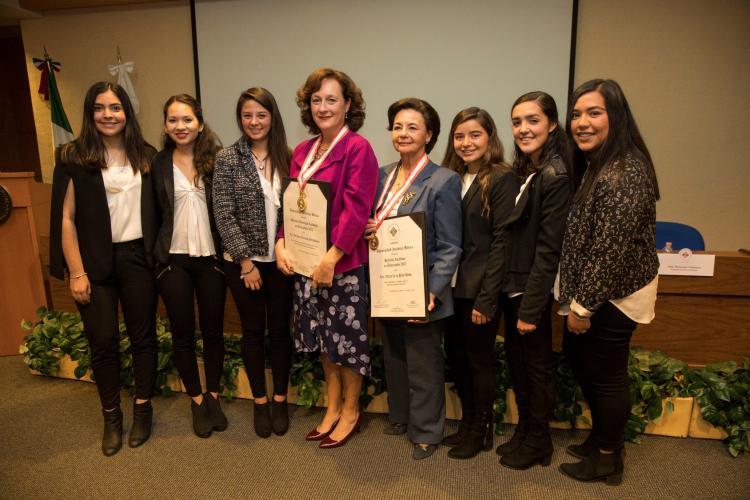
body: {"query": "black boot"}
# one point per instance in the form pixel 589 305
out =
pixel 215 413
pixel 459 437
pixel 279 417
pixel 522 429
pixel 598 466
pixel 112 436
pixel 262 419
pixel 478 438
pixel 527 455
pixel 201 420
pixel 585 449
pixel 141 429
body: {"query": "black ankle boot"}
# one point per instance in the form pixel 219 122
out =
pixel 478 438
pixel 279 417
pixel 585 449
pixel 262 419
pixel 522 429
pixel 459 436
pixel 201 420
pixel 526 455
pixel 607 467
pixel 112 436
pixel 215 413
pixel 141 429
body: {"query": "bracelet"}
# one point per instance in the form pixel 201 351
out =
pixel 242 275
pixel 79 276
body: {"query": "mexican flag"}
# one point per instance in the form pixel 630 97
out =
pixel 61 129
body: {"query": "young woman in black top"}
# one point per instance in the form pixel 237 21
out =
pixel 608 267
pixel 185 252
pixel 488 189
pixel 533 237
pixel 102 229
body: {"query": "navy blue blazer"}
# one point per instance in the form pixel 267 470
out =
pixel 437 193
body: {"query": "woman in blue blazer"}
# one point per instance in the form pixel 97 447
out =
pixel 412 352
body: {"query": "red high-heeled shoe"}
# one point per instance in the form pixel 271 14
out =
pixel 314 435
pixel 332 443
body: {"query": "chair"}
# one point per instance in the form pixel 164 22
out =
pixel 681 236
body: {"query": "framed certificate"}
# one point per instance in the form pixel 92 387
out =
pixel 306 213
pixel 398 269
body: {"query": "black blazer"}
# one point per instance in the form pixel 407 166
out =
pixel 534 235
pixel 163 179
pixel 92 221
pixel 480 270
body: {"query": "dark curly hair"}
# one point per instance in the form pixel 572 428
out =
pixel 355 116
pixel 431 117
pixel 205 146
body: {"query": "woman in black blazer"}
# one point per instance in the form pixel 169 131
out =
pixel 533 237
pixel 185 252
pixel 488 188
pixel 102 229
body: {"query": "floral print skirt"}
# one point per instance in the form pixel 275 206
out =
pixel 333 320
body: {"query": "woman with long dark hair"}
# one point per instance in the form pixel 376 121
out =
pixel 488 188
pixel 608 267
pixel 102 230
pixel 187 243
pixel 247 187
pixel 533 235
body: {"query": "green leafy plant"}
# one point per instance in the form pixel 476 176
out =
pixel 654 377
pixel 307 375
pixel 723 394
pixel 502 384
pixel 568 405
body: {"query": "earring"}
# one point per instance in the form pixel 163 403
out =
pixel 346 115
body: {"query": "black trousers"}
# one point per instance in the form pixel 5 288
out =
pixel 131 283
pixel 271 308
pixel 414 373
pixel 531 363
pixel 599 360
pixel 470 351
pixel 185 280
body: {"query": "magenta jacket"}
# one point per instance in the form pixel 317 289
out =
pixel 352 171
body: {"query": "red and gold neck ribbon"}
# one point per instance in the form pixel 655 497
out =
pixel 309 168
pixel 383 208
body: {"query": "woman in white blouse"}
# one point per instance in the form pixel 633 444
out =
pixel 187 267
pixel 247 187
pixel 102 229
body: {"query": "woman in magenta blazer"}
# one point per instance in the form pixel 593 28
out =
pixel 331 307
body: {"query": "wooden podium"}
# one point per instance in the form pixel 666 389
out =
pixel 21 281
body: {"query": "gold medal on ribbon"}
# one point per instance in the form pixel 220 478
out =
pixel 374 242
pixel 301 203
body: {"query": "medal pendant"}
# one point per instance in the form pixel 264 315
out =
pixel 374 243
pixel 301 203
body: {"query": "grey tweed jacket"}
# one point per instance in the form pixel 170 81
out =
pixel 239 206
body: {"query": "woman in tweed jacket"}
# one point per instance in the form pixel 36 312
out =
pixel 247 186
pixel 608 267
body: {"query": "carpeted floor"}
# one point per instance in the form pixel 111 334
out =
pixel 50 448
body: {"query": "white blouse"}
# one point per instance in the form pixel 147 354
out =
pixel 123 189
pixel 192 228
pixel 272 200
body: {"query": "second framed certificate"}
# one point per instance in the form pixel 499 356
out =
pixel 398 269
pixel 306 235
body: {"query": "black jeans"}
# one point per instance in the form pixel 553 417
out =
pixel 531 363
pixel 470 351
pixel 185 280
pixel 131 283
pixel 270 307
pixel 599 360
